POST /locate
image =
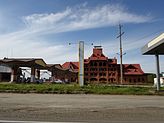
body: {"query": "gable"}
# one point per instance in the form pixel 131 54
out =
pixel 131 67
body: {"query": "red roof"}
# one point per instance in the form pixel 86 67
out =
pixel 71 65
pixel 129 69
pixel 98 54
pixel 132 69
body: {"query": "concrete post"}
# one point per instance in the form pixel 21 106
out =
pixel 38 73
pixel 52 75
pixel 81 63
pixel 157 72
pixel 32 74
pixel 0 77
pixel 14 74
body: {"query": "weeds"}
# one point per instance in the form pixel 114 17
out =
pixel 75 89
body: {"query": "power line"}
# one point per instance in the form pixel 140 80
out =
pixel 146 36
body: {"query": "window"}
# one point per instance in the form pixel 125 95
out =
pixel 95 64
pixel 130 80
pixel 134 80
pixel 104 64
pixel 104 74
pixel 85 69
pixel 100 74
pixel 100 64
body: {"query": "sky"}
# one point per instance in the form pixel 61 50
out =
pixel 44 29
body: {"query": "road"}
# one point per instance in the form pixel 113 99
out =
pixel 81 108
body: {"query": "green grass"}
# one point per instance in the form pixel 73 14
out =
pixel 75 89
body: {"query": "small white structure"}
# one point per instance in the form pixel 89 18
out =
pixel 161 82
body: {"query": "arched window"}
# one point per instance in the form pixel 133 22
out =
pixel 134 80
pixel 104 74
pixel 143 79
pixel 130 80
pixel 93 79
pixel 102 79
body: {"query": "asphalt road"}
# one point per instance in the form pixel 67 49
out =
pixel 81 108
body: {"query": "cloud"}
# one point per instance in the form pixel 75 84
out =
pixel 27 42
pixel 79 18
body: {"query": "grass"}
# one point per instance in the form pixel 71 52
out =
pixel 75 89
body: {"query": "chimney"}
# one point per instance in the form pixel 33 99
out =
pixel 97 50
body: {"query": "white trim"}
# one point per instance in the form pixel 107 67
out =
pixel 156 40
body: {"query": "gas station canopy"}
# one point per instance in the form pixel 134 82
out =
pixel 155 46
pixel 24 62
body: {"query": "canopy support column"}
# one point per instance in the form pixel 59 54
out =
pixel 14 74
pixel 32 74
pixel 157 72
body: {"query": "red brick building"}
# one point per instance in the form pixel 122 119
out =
pixel 100 69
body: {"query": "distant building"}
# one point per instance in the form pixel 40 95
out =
pixel 100 69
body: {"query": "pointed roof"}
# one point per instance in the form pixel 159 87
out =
pixel 132 69
pixel 71 65
pixel 98 54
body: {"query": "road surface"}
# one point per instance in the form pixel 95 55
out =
pixel 81 108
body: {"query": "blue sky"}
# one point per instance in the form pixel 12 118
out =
pixel 43 28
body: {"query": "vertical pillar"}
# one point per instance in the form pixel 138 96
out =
pixel 32 74
pixel 81 63
pixel 38 73
pixel 14 74
pixel 52 75
pixel 157 72
pixel 0 77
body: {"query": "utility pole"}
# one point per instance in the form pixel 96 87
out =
pixel 120 36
